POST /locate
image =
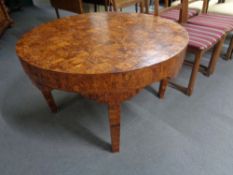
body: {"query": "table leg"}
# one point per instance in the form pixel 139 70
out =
pixel 162 88
pixel 114 122
pixel 49 99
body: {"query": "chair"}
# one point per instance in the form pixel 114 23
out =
pixel 5 20
pixel 216 21
pixel 75 6
pixel 119 4
pixel 201 39
pixel 173 12
pixel 224 9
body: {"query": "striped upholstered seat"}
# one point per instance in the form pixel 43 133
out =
pixel 217 21
pixel 202 37
pixel 174 14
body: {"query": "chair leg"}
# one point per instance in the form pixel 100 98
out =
pixel 106 5
pixel 110 8
pixel 57 13
pixel 146 4
pixel 136 8
pixel 215 56
pixel 141 7
pixel 230 50
pixel 114 7
pixel 194 73
pixel 95 7
pixel 162 88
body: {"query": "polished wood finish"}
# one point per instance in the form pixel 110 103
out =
pixel 107 57
pixel 5 20
pixel 75 6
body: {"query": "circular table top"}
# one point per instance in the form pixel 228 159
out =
pixel 99 43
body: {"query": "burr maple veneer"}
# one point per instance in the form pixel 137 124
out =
pixel 107 57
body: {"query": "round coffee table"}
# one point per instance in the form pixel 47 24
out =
pixel 107 57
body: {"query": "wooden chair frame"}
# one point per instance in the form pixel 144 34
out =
pixel 229 52
pixel 196 65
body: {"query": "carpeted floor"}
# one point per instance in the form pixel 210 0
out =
pixel 179 135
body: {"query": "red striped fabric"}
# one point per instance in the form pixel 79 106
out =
pixel 202 37
pixel 222 22
pixel 174 14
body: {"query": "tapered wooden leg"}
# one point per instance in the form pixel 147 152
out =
pixel 49 99
pixel 162 88
pixel 230 49
pixel 57 13
pixel 114 122
pixel 215 56
pixel 194 73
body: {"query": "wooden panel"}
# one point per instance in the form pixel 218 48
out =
pixel 5 20
pixel 75 6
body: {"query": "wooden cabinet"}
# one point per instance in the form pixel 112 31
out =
pixel 75 6
pixel 5 20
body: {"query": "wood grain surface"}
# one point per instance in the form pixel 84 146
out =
pixel 107 57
